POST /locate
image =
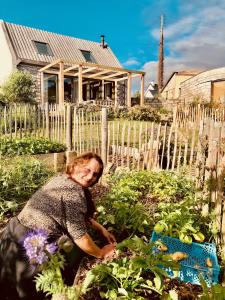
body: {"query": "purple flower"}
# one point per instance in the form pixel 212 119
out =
pixel 37 247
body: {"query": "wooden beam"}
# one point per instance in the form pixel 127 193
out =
pixel 50 65
pixel 80 86
pixel 103 90
pixel 114 74
pixel 103 67
pixel 142 97
pixel 99 73
pixel 121 79
pixel 85 71
pixel 42 88
pixel 70 68
pixel 129 90
pixel 51 72
pixel 88 91
pixel 136 75
pixel 88 70
pixel 98 78
pixel 116 94
pixel 61 83
pixel 57 73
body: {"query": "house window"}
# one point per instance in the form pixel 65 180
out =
pixel 88 56
pixel 68 89
pixel 43 48
pixel 50 88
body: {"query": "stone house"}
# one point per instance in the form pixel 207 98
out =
pixel 66 69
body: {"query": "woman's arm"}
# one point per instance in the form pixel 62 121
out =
pixel 109 236
pixel 88 246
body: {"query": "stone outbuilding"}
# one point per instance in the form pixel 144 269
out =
pixel 172 88
pixel 206 86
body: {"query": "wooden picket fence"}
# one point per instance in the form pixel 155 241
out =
pixel 134 144
pixel 192 114
pixel 79 130
pixel 194 141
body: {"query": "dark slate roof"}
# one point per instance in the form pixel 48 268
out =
pixel 63 47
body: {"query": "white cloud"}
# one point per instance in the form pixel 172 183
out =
pixel 131 62
pixel 178 28
pixel 171 65
pixel 195 41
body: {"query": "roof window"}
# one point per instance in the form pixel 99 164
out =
pixel 88 56
pixel 43 48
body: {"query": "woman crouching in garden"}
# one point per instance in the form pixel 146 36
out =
pixel 62 207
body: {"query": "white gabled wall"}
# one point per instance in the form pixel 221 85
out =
pixel 6 59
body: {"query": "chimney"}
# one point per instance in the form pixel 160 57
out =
pixel 103 45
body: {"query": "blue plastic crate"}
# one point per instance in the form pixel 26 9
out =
pixel 195 264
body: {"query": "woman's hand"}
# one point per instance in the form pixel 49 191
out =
pixel 109 236
pixel 108 251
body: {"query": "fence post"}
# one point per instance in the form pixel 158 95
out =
pixel 174 114
pixel 69 127
pixel 47 132
pixel 104 136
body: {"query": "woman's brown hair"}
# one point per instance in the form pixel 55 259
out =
pixel 84 158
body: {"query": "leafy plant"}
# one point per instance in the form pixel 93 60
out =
pixel 130 277
pixel 28 145
pixel 215 292
pixel 19 179
pixel 19 87
pixel 50 279
pixel 164 185
pixel 122 210
pixel 183 220
pixel 125 219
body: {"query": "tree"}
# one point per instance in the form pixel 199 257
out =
pixel 137 95
pixel 19 87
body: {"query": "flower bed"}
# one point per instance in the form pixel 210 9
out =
pixel 29 146
pixel 135 204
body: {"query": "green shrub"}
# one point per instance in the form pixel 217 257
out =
pixel 19 87
pixel 143 113
pixel 19 179
pixel 28 145
pixel 117 113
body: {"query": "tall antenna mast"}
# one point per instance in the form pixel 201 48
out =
pixel 161 57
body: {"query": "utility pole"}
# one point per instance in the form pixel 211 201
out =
pixel 161 57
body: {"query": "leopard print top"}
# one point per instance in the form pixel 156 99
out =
pixel 59 207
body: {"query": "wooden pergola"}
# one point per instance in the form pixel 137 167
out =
pixel 85 71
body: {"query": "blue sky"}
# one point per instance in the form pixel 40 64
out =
pixel 194 30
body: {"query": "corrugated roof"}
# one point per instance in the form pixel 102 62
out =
pixel 63 47
pixel 188 72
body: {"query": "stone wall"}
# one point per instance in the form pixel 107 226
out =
pixel 33 70
pixel 162 103
pixel 122 93
pixel 199 86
